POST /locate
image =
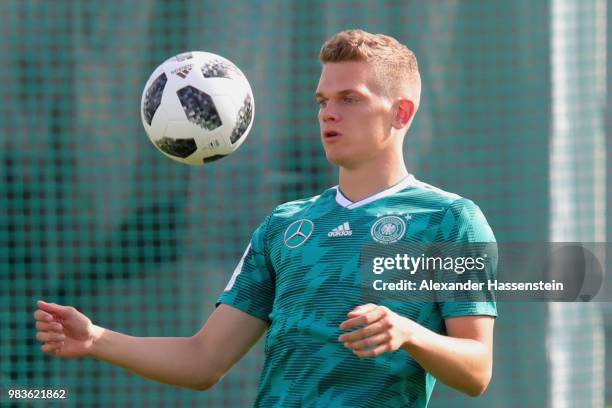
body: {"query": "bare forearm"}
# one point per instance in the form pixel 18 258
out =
pixel 464 364
pixel 170 360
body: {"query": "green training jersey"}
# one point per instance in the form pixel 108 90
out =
pixel 301 274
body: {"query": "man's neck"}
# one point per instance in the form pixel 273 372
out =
pixel 357 184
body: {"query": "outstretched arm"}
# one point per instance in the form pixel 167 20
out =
pixel 196 362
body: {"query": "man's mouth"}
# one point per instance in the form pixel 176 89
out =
pixel 331 134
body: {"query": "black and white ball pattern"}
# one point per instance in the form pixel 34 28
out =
pixel 199 108
pixel 177 147
pixel 220 69
pixel 153 97
pixel 245 116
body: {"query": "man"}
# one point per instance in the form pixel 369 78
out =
pixel 299 278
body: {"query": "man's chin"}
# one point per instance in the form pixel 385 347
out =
pixel 334 159
pixel 338 159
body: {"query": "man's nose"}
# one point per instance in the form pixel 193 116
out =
pixel 328 113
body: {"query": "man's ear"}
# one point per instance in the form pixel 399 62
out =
pixel 403 113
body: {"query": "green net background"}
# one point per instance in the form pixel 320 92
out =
pixel 515 115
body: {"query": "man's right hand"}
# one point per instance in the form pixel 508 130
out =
pixel 64 331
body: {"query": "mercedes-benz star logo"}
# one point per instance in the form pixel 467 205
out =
pixel 298 232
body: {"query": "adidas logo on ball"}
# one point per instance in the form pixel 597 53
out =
pixel 343 230
pixel 183 71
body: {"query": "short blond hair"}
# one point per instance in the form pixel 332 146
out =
pixel 394 64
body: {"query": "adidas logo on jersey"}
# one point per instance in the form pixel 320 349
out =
pixel 341 231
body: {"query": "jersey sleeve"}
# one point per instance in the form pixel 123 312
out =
pixel 471 228
pixel 251 286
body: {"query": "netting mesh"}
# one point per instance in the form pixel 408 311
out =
pixel 91 215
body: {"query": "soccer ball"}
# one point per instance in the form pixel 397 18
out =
pixel 197 107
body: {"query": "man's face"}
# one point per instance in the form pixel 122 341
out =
pixel 354 117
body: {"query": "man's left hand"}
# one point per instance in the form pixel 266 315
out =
pixel 380 330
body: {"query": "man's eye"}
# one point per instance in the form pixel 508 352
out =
pixel 349 99
pixel 321 102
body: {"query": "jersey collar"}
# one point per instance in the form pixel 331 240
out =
pixel 348 204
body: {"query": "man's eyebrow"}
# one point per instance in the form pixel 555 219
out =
pixel 340 93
